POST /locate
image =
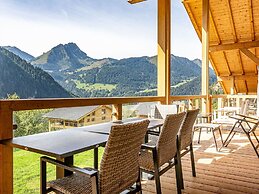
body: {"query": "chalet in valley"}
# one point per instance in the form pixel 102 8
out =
pixel 61 118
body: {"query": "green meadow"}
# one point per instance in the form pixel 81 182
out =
pixel 27 169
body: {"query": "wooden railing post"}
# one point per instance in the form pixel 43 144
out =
pixel 190 104
pixel 117 112
pixel 210 104
pixel 6 152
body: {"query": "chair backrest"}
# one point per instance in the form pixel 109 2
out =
pixel 185 133
pixel 166 145
pixel 244 107
pixel 119 168
pixel 162 110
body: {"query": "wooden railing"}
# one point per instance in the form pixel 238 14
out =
pixel 7 107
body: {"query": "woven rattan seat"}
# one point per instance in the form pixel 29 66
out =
pixel 74 184
pixel 119 168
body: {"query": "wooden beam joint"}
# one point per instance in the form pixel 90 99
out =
pixel 250 55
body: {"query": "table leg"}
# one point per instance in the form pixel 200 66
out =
pixel 146 138
pixel 215 140
pixel 96 158
pixel 221 136
pixel 60 172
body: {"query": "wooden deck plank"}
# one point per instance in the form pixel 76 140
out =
pixel 232 170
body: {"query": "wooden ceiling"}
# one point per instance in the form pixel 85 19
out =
pixel 234 41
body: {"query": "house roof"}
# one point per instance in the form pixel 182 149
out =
pixel 72 114
pixel 233 40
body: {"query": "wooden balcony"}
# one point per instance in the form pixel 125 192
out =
pixel 233 170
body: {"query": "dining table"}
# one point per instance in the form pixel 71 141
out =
pixel 64 144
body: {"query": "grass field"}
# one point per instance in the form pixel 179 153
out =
pixel 27 169
pixel 96 86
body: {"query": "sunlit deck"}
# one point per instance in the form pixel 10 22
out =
pixel 233 170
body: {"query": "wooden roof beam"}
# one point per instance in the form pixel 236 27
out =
pixel 240 61
pixel 193 20
pixel 232 20
pixel 237 77
pixel 250 4
pixel 250 55
pixel 135 1
pixel 246 87
pixel 225 56
pixel 233 46
pixel 214 26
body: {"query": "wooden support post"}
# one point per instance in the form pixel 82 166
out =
pixel 164 50
pixel 50 124
pixel 197 103
pixel 210 104
pixel 190 104
pixel 232 89
pixel 6 152
pixel 117 112
pixel 205 56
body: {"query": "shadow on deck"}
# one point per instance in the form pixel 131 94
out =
pixel 234 169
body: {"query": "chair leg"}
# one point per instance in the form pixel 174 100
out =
pixel 227 142
pixel 180 170
pixel 156 172
pixel 252 143
pixel 222 141
pixel 43 177
pixel 179 162
pixel 178 176
pixel 138 183
pixel 192 161
pixel 215 140
pixel 158 184
pixel 255 137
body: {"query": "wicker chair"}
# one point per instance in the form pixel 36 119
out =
pixel 153 157
pixel 185 138
pixel 119 168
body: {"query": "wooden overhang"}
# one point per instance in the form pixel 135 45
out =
pixel 233 41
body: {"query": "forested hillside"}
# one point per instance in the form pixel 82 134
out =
pixel 18 76
pixel 88 77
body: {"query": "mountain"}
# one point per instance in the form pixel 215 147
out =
pixel 88 77
pixel 23 55
pixel 199 63
pixel 18 76
pixel 62 58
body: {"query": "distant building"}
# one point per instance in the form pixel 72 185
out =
pixel 61 118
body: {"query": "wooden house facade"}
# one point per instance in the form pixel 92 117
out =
pixel 62 118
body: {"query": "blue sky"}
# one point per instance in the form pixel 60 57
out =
pixel 101 28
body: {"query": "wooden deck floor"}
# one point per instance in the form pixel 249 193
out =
pixel 233 170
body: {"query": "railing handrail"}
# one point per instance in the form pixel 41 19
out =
pixel 31 104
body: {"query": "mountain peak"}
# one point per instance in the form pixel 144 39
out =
pixel 63 57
